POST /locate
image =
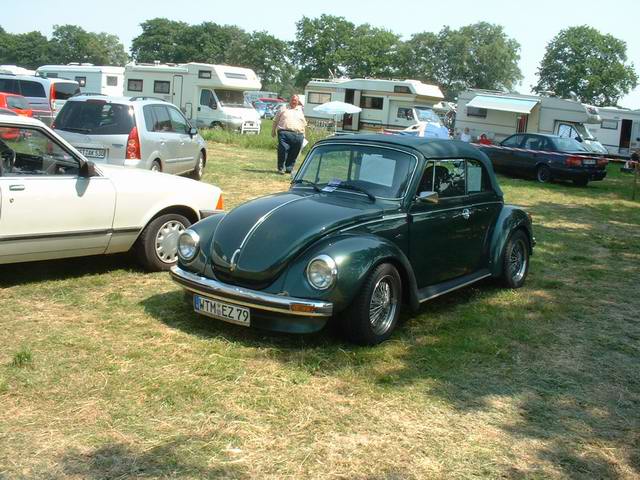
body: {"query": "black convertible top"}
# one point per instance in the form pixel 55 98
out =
pixel 430 148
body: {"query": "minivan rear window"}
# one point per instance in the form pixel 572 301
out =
pixel 32 89
pixel 96 118
pixel 64 91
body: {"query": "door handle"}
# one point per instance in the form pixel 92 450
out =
pixel 466 214
pixel 16 188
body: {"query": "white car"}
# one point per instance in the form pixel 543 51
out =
pixel 55 204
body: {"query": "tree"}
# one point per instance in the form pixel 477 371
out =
pixel 320 47
pixel 371 52
pixel 71 43
pixel 29 50
pixel 270 58
pixel 590 64
pixel 160 40
pixel 475 56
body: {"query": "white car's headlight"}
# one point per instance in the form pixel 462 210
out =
pixel 322 272
pixel 188 245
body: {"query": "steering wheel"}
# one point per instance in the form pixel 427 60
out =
pixel 7 158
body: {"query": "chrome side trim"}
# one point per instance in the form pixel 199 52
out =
pixel 459 207
pixel 247 297
pixel 435 295
pixel 377 220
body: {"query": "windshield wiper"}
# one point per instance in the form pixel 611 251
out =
pixel 72 129
pixel 306 182
pixel 355 188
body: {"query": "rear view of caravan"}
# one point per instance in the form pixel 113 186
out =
pixel 211 96
pixel 91 79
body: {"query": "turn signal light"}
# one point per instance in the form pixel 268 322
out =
pixel 133 145
pixel 220 204
pixel 573 162
pixel 298 307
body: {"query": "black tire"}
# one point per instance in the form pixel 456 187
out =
pixel 156 166
pixel 150 252
pixel 543 174
pixel 580 182
pixel 216 126
pixel 197 172
pixel 356 321
pixel 515 261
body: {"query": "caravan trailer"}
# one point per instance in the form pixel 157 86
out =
pixel 386 104
pixel 209 95
pixel 499 115
pixel 104 80
pixel 619 130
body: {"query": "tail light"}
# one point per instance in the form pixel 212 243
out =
pixel 220 204
pixel 602 162
pixel 52 96
pixel 133 145
pixel 573 161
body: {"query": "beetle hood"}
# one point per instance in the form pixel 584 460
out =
pixel 254 242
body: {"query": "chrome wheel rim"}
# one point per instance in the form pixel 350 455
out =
pixel 167 241
pixel 518 261
pixel 383 305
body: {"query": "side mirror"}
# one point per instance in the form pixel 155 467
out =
pixel 88 169
pixel 428 197
pixel 579 139
pixel 193 131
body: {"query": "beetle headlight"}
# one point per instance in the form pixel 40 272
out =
pixel 322 272
pixel 188 245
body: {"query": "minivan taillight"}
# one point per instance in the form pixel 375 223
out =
pixel 133 145
pixel 52 96
pixel 573 161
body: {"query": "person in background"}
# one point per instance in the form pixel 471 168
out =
pixel 484 140
pixel 289 124
pixel 465 136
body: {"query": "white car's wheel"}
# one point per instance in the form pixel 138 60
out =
pixel 157 247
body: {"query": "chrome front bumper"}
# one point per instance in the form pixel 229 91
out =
pixel 250 298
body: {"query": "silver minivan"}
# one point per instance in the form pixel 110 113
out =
pixel 137 132
pixel 45 95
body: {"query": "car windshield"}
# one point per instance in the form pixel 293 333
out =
pixel 64 91
pixel 230 98
pixel 382 172
pixel 569 145
pixel 95 117
pixel 427 115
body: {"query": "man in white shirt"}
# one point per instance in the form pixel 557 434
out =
pixel 289 124
pixel 466 136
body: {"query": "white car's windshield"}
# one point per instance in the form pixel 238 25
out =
pixel 381 172
pixel 427 115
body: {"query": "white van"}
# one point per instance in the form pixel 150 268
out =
pixel 91 79
pixel 619 130
pixel 209 95
pixel 499 115
pixel 386 104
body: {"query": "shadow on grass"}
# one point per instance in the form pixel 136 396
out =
pixel 33 272
pixel 168 460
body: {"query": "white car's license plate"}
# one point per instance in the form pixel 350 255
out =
pixel 221 310
pixel 588 162
pixel 93 152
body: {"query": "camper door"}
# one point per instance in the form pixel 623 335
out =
pixel 207 108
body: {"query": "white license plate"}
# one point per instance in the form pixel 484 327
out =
pixel 93 152
pixel 222 311
pixel 588 162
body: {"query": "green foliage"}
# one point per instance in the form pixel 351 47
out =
pixel 475 56
pixel 22 358
pixel 590 64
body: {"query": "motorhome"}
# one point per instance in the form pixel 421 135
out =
pixel 499 115
pixel 619 130
pixel 15 70
pixel 104 80
pixel 209 95
pixel 385 104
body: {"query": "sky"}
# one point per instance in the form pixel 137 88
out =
pixel 533 24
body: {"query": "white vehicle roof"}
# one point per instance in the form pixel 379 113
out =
pixel 81 68
pixel 15 70
pixel 415 86
pixel 19 120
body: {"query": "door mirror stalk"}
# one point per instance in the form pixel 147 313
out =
pixel 88 169
pixel 193 132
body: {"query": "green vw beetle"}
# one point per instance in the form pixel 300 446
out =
pixel 370 222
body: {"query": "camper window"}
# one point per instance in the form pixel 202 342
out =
pixel 405 113
pixel 161 86
pixel 112 81
pixel 82 81
pixel 609 124
pixel 476 112
pixel 230 98
pixel 373 103
pixel 207 99
pixel 401 89
pixel 204 73
pixel 134 85
pixel 318 98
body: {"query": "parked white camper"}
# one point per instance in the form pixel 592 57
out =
pixel 499 115
pixel 91 78
pixel 619 130
pixel 15 70
pixel 386 104
pixel 209 95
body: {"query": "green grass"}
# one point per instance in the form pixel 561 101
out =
pixel 125 381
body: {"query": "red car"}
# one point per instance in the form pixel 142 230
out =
pixel 18 105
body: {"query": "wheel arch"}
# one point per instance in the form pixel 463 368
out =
pixel 510 220
pixel 183 210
